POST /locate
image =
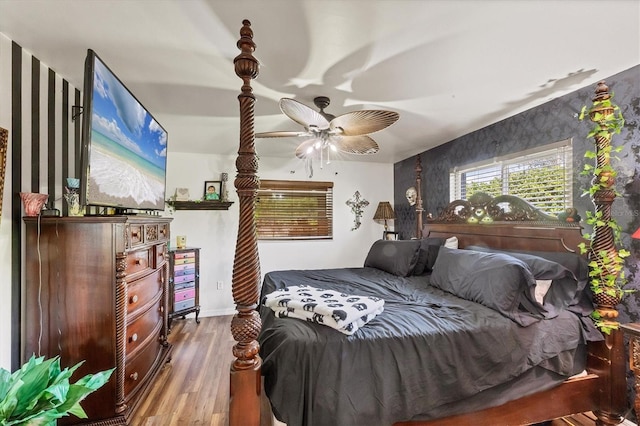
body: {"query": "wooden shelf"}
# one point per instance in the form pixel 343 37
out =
pixel 199 205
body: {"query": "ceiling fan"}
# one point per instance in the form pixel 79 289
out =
pixel 325 133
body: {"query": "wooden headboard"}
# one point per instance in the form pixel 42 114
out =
pixel 504 222
pixel 513 236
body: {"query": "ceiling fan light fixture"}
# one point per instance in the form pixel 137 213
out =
pixel 347 133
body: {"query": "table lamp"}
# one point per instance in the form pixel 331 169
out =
pixel 384 212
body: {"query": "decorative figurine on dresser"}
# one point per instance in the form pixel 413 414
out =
pixel 184 282
pixel 96 290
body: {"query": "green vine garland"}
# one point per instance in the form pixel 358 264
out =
pixel 606 268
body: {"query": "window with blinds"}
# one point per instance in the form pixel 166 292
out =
pixel 542 177
pixel 292 210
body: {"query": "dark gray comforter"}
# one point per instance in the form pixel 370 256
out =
pixel 429 354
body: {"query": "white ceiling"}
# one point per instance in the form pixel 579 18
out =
pixel 448 67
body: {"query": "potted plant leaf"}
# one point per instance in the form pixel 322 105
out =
pixel 606 256
pixel 39 392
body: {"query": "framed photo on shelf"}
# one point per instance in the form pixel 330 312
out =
pixel 212 190
pixel 389 235
pixel 182 194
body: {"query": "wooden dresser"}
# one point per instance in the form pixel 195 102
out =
pixel 184 283
pixel 96 290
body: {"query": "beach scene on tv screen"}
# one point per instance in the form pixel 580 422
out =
pixel 127 161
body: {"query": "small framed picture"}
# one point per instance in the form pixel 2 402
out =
pixel 182 194
pixel 389 235
pixel 212 190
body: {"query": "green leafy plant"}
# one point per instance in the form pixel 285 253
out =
pixel 606 266
pixel 171 204
pixel 39 392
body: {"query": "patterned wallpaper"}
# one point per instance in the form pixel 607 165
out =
pixel 551 122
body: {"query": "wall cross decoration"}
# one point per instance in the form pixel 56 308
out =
pixel 357 204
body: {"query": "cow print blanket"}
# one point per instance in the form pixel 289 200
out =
pixel 343 312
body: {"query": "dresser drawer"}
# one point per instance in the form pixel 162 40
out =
pixel 138 261
pixel 142 291
pixel 160 251
pixel 188 293
pixel 136 235
pixel 185 304
pixel 137 369
pixel 144 328
pixel 163 232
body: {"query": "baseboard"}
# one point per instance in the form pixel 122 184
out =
pixel 214 312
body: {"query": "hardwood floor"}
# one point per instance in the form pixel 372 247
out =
pixel 193 389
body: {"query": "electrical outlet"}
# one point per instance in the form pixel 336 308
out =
pixel 220 285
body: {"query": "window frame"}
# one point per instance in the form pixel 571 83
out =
pixel 564 148
pixel 306 212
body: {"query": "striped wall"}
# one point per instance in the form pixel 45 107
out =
pixel 44 149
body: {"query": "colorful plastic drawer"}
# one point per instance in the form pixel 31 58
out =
pixel 184 278
pixel 185 294
pixel 185 304
pixel 189 254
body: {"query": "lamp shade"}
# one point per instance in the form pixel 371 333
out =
pixel 384 211
pixel 636 234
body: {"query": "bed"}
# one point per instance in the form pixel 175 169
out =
pixel 419 361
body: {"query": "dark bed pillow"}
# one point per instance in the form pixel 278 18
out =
pixel 497 281
pixel 395 257
pixel 569 273
pixel 427 255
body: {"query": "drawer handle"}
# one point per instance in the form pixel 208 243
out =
pixel 134 338
pixel 134 376
pixel 135 233
pixel 134 298
pixel 138 262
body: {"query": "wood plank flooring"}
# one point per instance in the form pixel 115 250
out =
pixel 193 389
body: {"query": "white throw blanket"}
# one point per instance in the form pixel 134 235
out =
pixel 343 312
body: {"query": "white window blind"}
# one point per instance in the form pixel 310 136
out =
pixel 294 210
pixel 542 177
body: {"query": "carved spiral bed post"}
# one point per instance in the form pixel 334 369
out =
pixel 245 387
pixel 603 238
pixel 419 208
pixel 613 404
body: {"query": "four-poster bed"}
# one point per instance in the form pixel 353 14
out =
pixel 601 389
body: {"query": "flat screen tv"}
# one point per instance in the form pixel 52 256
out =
pixel 124 149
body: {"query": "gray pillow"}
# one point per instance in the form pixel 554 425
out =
pixel 395 257
pixel 427 255
pixel 569 272
pixel 497 281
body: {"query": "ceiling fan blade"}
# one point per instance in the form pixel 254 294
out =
pixel 302 151
pixel 281 134
pixel 362 144
pixel 363 122
pixel 302 114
